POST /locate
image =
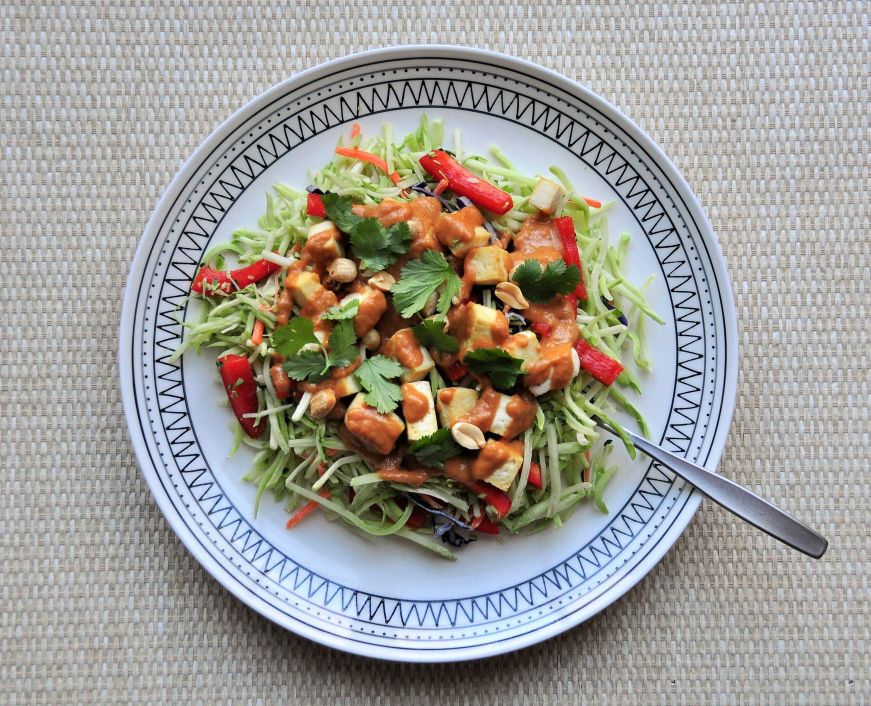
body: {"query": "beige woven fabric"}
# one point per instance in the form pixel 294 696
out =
pixel 764 108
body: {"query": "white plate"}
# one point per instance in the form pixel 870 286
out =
pixel 383 598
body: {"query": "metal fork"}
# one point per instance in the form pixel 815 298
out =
pixel 737 500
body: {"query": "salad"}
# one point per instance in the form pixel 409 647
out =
pixel 420 343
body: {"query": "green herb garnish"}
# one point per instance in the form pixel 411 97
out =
pixel 540 286
pixel 420 279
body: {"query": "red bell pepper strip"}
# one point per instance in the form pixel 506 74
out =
pixel 605 369
pixel 416 519
pixel 441 187
pixel 441 165
pixel 238 379
pixel 314 206
pixel 535 476
pixel 483 524
pixel 457 372
pixel 494 497
pixel 541 329
pixel 565 227
pixel 209 281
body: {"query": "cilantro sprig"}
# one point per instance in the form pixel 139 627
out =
pixel 420 279
pixel 342 312
pixel 296 333
pixel 374 245
pixel 432 451
pixel 540 286
pixel 430 333
pixel 374 374
pixel 315 365
pixel 501 368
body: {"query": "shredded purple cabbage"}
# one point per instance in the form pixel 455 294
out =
pixel 622 317
pixel 451 530
pixel 423 188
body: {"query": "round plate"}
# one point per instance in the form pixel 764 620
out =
pixel 384 598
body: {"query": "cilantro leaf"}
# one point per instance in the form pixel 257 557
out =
pixel 308 365
pixel 374 375
pixel 343 345
pixel 419 279
pixel 433 450
pixel 430 333
pixel 288 339
pixel 540 287
pixel 339 211
pixel 378 247
pixel 374 245
pixel 314 366
pixel 501 368
pixel 348 310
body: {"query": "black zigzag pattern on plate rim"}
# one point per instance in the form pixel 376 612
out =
pixel 244 169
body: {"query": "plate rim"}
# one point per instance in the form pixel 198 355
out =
pixel 336 640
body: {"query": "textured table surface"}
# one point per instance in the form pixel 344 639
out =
pixel 765 110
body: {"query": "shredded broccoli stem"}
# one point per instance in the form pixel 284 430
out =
pixel 564 439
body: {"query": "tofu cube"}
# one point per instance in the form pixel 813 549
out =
pixel 345 386
pixel 488 265
pixel 462 230
pixel 546 196
pixel 504 475
pixel 418 409
pixel 372 305
pixel 480 238
pixel 453 403
pixel 404 347
pixel 523 345
pixel 376 431
pixel 303 286
pixel 324 243
pixel 549 383
pixel 501 418
pixel 482 323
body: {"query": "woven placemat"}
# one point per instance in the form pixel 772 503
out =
pixel 763 108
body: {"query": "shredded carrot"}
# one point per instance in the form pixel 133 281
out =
pixel 592 203
pixel 257 333
pixel 441 186
pixel 355 130
pixel 373 159
pixel 305 511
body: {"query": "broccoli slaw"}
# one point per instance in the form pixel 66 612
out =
pixel 420 343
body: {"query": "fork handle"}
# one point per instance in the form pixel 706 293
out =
pixel 740 501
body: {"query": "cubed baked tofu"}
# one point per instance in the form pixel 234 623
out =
pixel 523 345
pixel 372 306
pixel 324 243
pixel 418 409
pixel 488 265
pixel 501 418
pixel 482 327
pixel 453 403
pixel 303 286
pixel 404 347
pixel 511 455
pixel 560 370
pixel 546 196
pixel 376 431
pixel 462 230
pixel 347 385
